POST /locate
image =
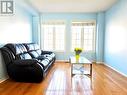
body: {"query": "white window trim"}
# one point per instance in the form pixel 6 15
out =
pixel 82 41
pixel 42 33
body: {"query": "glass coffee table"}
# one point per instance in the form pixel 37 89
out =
pixel 77 66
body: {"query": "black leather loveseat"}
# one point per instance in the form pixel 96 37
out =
pixel 26 62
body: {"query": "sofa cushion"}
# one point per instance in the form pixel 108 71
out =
pixel 27 56
pixel 23 56
pixel 44 63
pixel 52 54
pixel 50 58
pixel 41 57
pixel 34 54
pixel 39 51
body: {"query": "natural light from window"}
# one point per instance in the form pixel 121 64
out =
pixel 54 36
pixel 83 35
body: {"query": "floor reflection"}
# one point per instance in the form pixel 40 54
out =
pixel 59 84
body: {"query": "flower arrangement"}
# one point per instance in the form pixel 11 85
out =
pixel 77 52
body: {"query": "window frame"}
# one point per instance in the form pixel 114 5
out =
pixel 82 34
pixel 54 22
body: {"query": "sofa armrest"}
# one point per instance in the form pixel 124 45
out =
pixel 26 70
pixel 46 52
pixel 27 62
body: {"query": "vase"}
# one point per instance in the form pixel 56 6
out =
pixel 77 57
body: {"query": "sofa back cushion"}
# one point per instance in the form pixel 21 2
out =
pixel 16 48
pixel 19 50
pixel 24 51
pixel 34 54
pixel 33 49
pixel 31 46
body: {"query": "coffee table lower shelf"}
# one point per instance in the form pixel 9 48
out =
pixel 79 69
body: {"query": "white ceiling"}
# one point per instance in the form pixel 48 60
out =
pixel 71 5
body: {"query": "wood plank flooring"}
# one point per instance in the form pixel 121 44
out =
pixel 104 81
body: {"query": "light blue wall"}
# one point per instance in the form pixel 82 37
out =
pixel 36 27
pixel 100 37
pixel 16 28
pixel 115 53
pixel 68 17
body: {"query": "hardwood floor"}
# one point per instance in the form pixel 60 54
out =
pixel 104 81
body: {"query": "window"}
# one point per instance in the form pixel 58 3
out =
pixel 83 35
pixel 54 36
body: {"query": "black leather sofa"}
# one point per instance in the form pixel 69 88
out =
pixel 26 62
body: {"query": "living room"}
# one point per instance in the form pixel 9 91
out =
pixel 97 27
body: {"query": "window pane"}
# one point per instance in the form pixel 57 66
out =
pixel 88 38
pixel 54 36
pixel 48 37
pixel 83 35
pixel 59 37
pixel 76 36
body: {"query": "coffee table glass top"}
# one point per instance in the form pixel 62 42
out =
pixel 82 60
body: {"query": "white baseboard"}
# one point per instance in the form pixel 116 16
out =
pixel 115 70
pixel 99 62
pixel 4 79
pixel 62 61
pixel 68 61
